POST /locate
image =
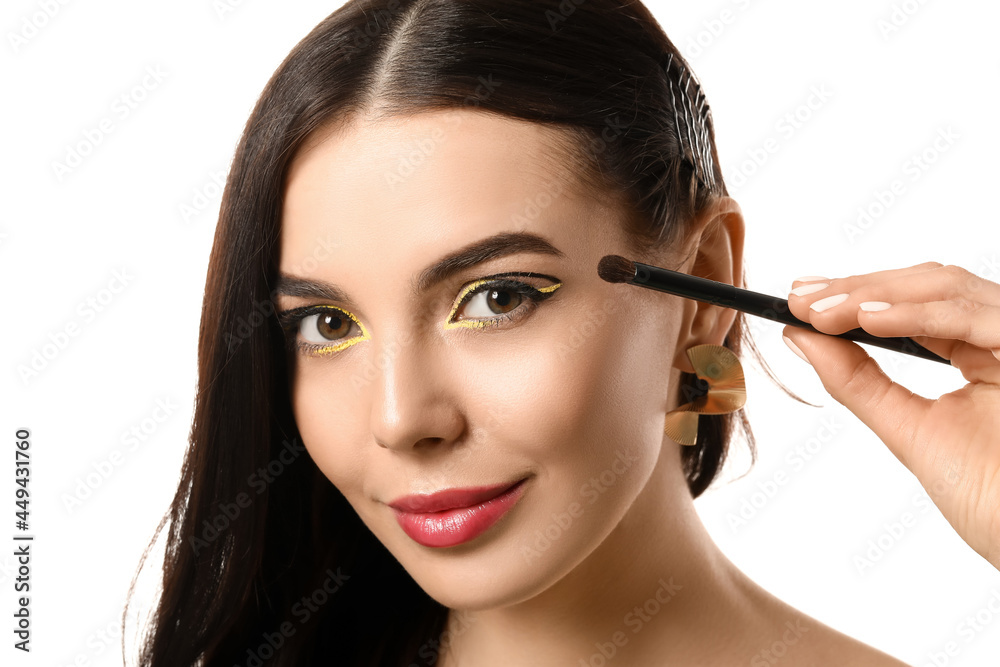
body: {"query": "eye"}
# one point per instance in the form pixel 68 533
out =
pixel 325 329
pixel 322 328
pixel 487 303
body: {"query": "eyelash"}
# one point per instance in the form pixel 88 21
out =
pixel 291 319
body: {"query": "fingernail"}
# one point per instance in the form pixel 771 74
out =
pixel 828 302
pixel 996 353
pixel 795 348
pixel 809 279
pixel 873 306
pixel 809 289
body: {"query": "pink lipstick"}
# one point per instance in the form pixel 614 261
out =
pixel 454 516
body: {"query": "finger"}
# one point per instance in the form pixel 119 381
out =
pixel 833 309
pixel 856 381
pixel 968 321
pixel 943 284
pixel 874 276
pixel 961 354
pixel 802 296
pixel 965 332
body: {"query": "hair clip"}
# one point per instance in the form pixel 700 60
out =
pixel 691 118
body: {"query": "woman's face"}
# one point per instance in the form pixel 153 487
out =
pixel 569 392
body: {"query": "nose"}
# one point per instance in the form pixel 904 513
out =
pixel 413 402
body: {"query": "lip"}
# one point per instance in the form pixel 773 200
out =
pixel 449 498
pixel 455 516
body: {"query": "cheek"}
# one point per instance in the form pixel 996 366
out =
pixel 326 412
pixel 592 392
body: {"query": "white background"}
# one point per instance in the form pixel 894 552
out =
pixel 887 94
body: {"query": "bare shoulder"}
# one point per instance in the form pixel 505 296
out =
pixel 782 631
pixel 812 643
pixel 832 647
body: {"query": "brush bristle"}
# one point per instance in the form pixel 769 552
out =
pixel 616 269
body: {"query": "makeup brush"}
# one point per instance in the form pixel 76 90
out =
pixel 617 269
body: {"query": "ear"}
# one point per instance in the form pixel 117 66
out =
pixel 714 251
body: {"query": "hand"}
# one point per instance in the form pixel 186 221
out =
pixel 951 444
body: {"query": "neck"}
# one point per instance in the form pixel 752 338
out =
pixel 656 587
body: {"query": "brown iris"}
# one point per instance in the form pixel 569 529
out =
pixel 502 297
pixel 329 324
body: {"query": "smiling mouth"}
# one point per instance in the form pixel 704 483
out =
pixel 457 525
pixel 451 498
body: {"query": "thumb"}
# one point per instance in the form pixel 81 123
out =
pixel 856 381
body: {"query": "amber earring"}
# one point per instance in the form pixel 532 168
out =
pixel 720 377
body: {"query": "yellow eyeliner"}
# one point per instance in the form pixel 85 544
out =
pixel 365 335
pixel 479 324
pixel 343 344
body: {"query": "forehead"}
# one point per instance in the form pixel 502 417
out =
pixel 421 185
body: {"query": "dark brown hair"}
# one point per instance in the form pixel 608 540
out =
pixel 265 561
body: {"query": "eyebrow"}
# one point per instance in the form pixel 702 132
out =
pixel 477 252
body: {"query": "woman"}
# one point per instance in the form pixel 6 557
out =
pixel 403 298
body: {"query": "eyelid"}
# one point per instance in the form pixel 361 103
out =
pixel 528 290
pixel 291 320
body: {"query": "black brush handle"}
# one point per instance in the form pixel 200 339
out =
pixel 776 308
pixel 762 305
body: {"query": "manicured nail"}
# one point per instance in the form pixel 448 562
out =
pixel 873 306
pixel 809 279
pixel 829 302
pixel 809 289
pixel 795 348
